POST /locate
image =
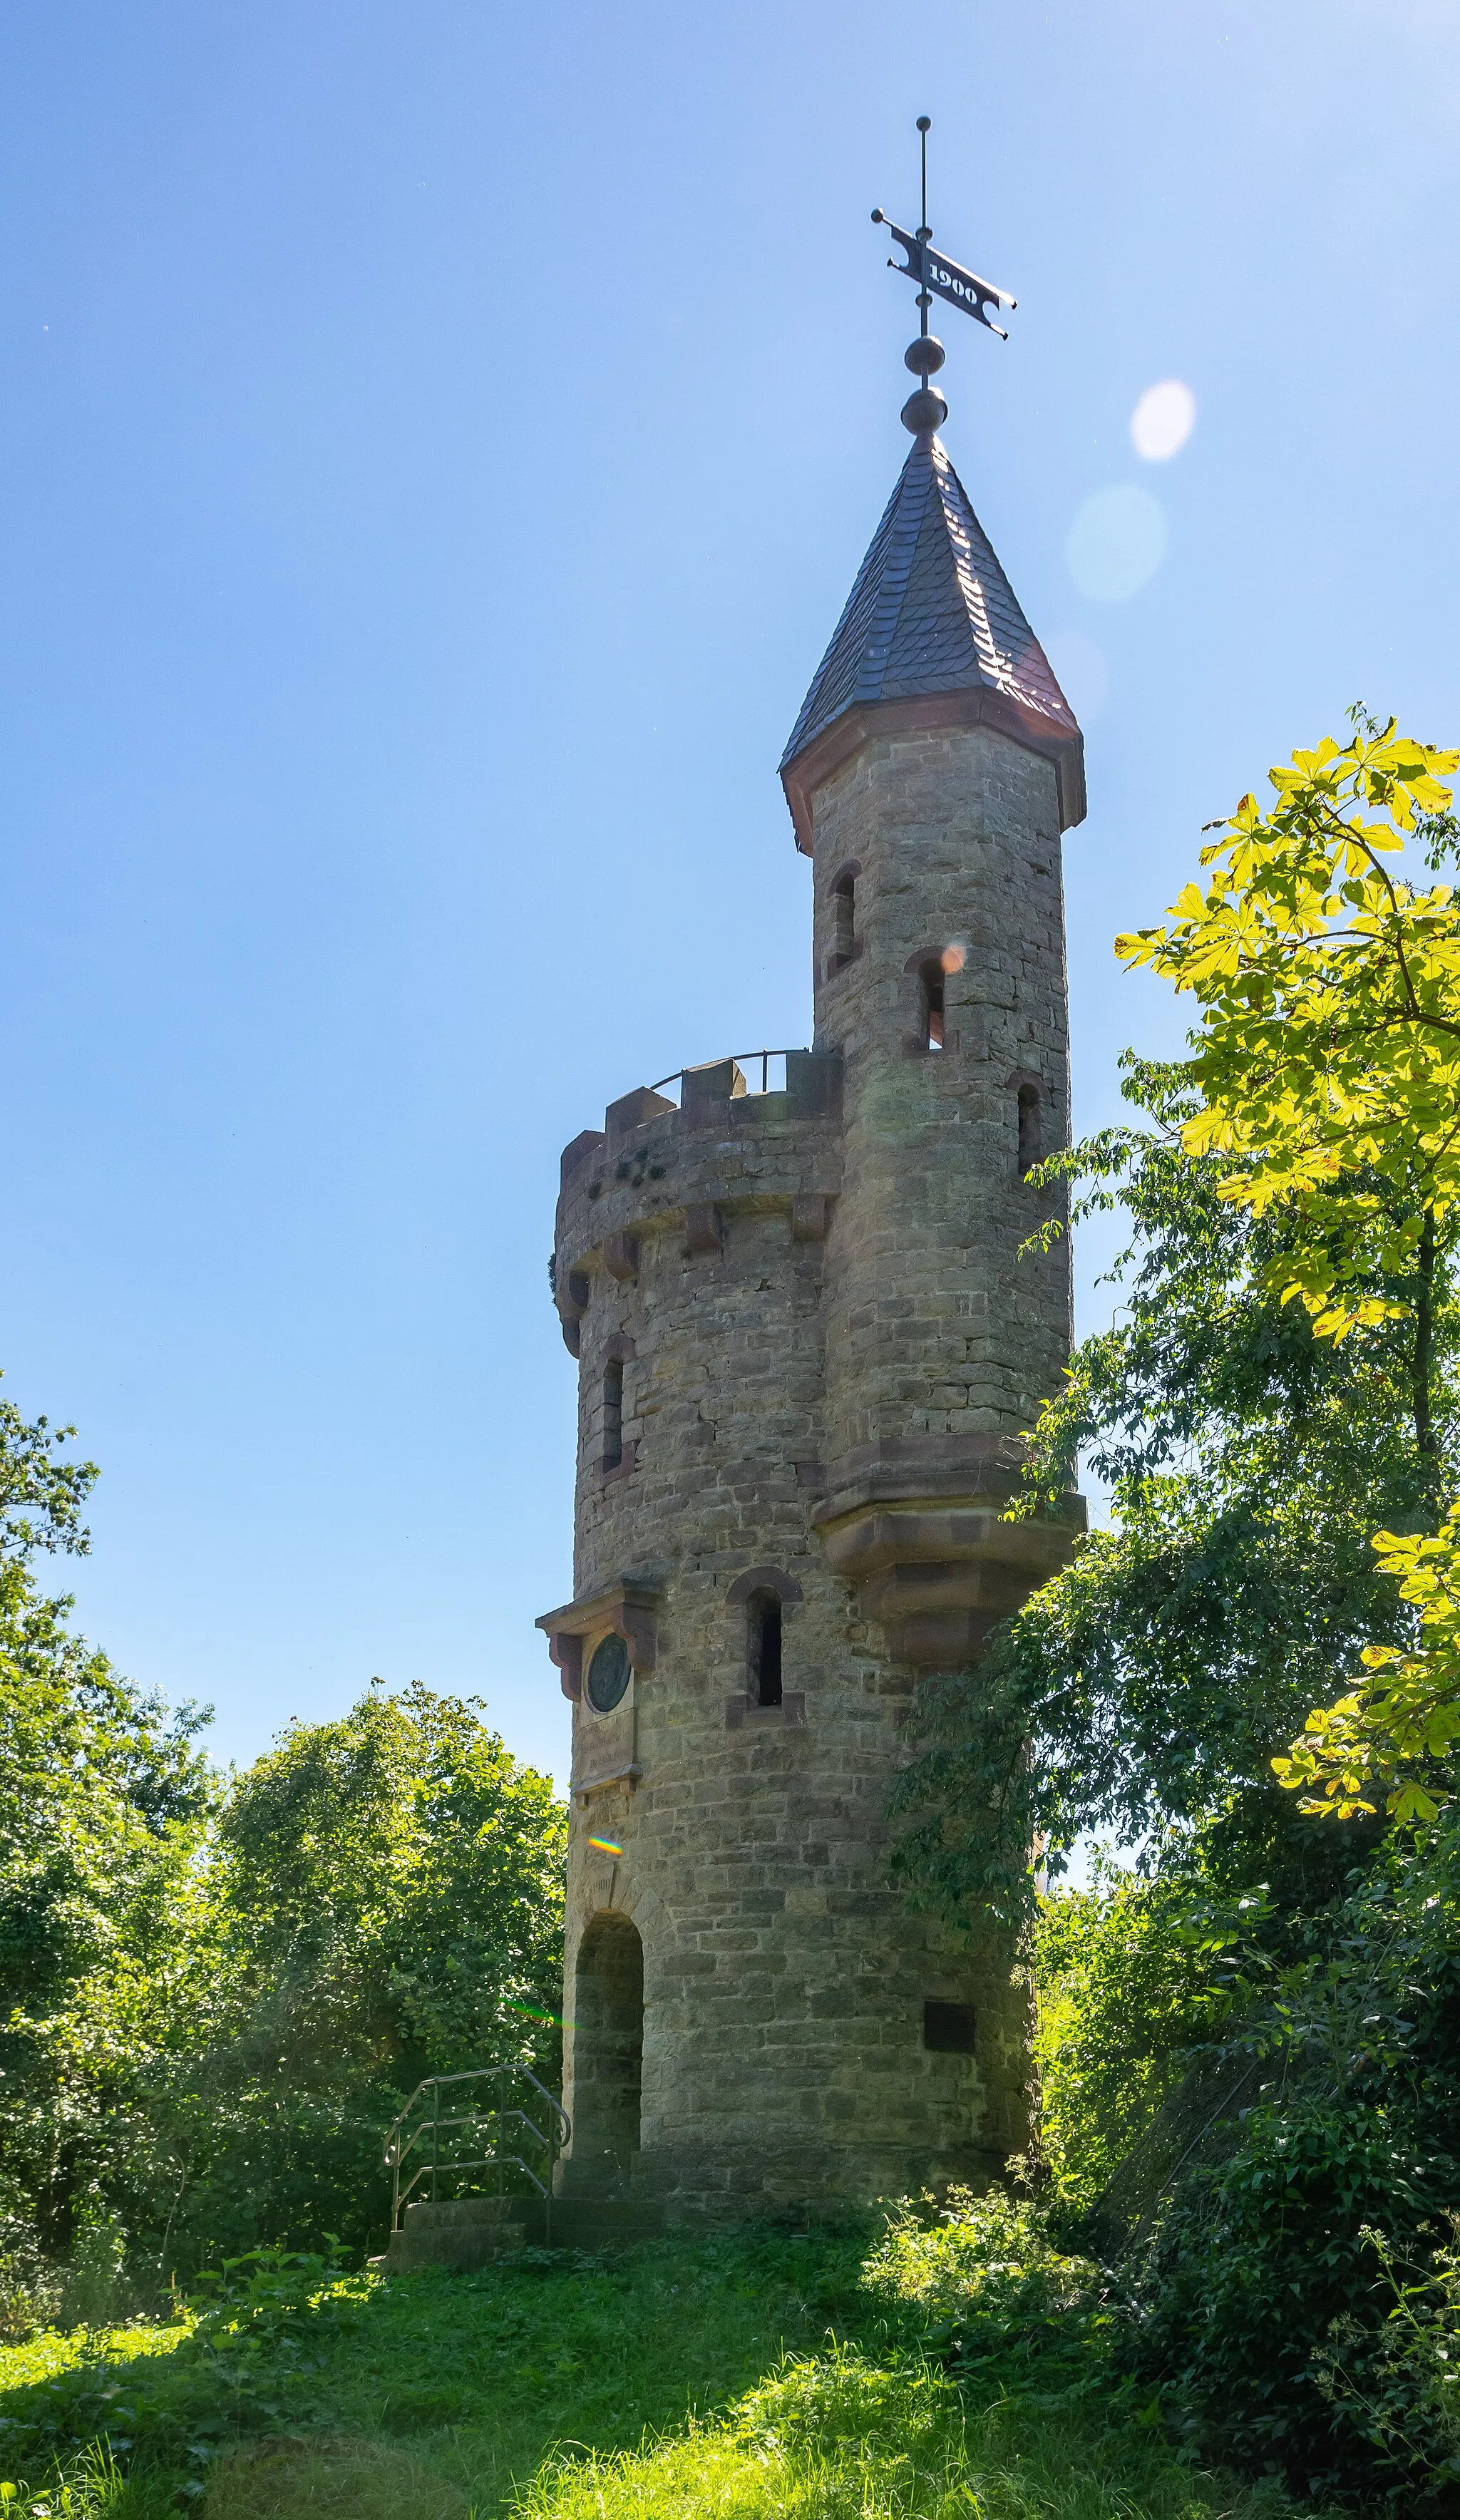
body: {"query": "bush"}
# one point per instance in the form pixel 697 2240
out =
pixel 1300 2293
pixel 991 2285
pixel 1126 1985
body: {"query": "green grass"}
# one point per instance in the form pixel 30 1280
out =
pixel 789 2380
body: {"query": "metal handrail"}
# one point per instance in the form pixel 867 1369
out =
pixel 548 2139
pixel 741 1058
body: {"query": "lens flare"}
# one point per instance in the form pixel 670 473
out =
pixel 1083 672
pixel 1163 420
pixel 1116 543
pixel 605 1845
pixel 953 957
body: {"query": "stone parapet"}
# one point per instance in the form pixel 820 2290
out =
pixel 657 1169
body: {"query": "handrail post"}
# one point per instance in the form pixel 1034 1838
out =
pixel 496 2130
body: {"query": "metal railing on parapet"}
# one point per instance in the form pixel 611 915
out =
pixel 501 2137
pixel 744 1064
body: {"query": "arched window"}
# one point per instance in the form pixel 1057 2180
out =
pixel 764 1648
pixel 930 982
pixel 1028 1129
pixel 612 1413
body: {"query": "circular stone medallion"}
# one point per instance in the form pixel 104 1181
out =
pixel 608 1674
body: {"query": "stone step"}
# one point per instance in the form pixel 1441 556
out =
pixel 461 2232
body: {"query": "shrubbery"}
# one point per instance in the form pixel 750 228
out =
pixel 214 1995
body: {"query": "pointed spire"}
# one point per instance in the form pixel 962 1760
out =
pixel 934 631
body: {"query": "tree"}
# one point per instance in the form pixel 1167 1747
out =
pixel 1149 1684
pixel 1329 1064
pixel 213 1998
pixel 389 1896
pixel 104 1802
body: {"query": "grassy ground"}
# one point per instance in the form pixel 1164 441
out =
pixel 799 2379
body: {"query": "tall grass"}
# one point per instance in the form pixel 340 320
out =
pixel 954 2368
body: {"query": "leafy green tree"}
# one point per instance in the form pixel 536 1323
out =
pixel 1329 1055
pixel 1265 2302
pixel 1128 1984
pixel 390 1889
pixel 104 1802
pixel 1247 1460
pixel 395 1885
pixel 1329 1064
pixel 215 1998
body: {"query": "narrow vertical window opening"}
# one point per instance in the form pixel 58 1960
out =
pixel 1028 1129
pixel 931 978
pixel 763 1640
pixel 843 921
pixel 613 1414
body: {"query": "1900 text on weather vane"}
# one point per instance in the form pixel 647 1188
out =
pixel 937 272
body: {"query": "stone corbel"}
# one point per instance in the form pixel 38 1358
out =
pixel 703 1233
pixel 918 1529
pixel 626 1610
pixel 620 1256
pixel 572 1304
pixel 567 1653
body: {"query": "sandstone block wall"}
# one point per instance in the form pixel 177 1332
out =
pixel 826 1346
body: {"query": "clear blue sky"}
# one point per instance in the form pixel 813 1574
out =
pixel 439 440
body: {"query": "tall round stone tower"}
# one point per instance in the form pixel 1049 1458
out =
pixel 806 1349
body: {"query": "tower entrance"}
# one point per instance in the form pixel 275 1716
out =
pixel 608 2048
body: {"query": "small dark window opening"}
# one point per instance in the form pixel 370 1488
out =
pixel 763 1641
pixel 843 921
pixel 932 979
pixel 1028 1129
pixel 948 2029
pixel 613 1414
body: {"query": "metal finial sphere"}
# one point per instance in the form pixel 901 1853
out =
pixel 924 410
pixel 925 122
pixel 925 358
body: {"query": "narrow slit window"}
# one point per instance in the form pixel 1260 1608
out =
pixel 843 921
pixel 764 1654
pixel 1028 1129
pixel 931 976
pixel 613 1414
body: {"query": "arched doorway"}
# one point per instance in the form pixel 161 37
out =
pixel 607 2045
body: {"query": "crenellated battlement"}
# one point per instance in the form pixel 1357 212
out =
pixel 682 1168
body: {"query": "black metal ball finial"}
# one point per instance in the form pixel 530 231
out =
pixel 925 356
pixel 924 410
pixel 925 122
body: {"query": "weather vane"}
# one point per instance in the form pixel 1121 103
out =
pixel 937 276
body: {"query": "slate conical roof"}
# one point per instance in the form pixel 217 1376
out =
pixel 932 612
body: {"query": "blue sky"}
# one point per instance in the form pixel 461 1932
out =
pixel 439 440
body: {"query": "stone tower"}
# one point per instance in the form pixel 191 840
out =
pixel 807 1348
